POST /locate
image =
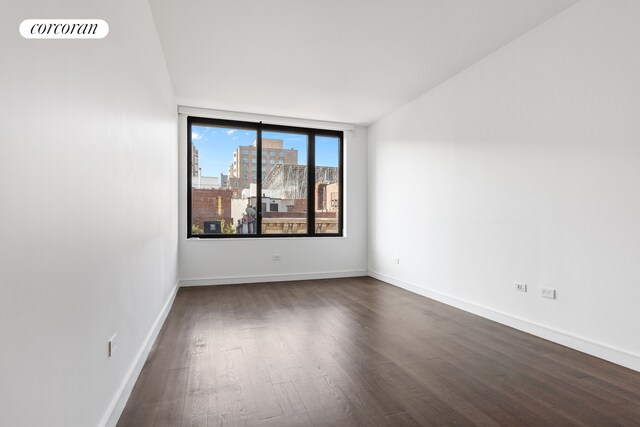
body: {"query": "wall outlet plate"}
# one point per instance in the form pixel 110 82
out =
pixel 396 260
pixel 548 293
pixel 113 344
pixel 522 287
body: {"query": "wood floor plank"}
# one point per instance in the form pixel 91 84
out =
pixel 169 411
pixel 358 352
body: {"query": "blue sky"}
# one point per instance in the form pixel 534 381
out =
pixel 216 146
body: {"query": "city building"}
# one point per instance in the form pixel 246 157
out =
pixel 195 161
pixel 210 205
pixel 287 184
pixel 290 181
pixel 244 169
pixel 223 180
pixel 205 182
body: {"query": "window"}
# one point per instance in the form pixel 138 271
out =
pixel 299 194
pixel 328 183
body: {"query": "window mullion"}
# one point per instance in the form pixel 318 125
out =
pixel 259 173
pixel 311 185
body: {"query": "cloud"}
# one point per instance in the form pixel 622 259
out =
pixel 231 131
pixel 196 136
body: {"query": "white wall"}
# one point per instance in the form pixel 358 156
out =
pixel 524 167
pixel 82 258
pixel 211 261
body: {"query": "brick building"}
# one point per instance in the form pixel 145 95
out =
pixel 210 205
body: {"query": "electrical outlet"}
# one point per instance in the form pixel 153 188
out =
pixel 275 257
pixel 113 344
pixel 522 287
pixel 396 260
pixel 548 293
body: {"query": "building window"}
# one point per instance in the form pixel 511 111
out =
pixel 300 196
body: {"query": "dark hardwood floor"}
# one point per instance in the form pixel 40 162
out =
pixel 360 352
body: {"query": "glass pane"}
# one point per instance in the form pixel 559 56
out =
pixel 284 186
pixel 327 184
pixel 223 192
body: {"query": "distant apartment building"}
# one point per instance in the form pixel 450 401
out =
pixel 244 169
pixel 195 161
pixel 224 180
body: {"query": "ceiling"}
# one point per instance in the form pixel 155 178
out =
pixel 350 61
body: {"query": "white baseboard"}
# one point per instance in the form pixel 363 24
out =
pixel 111 416
pixel 585 345
pixel 232 280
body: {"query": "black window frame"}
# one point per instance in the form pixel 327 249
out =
pixel 261 127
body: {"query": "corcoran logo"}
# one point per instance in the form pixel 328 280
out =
pixel 64 29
